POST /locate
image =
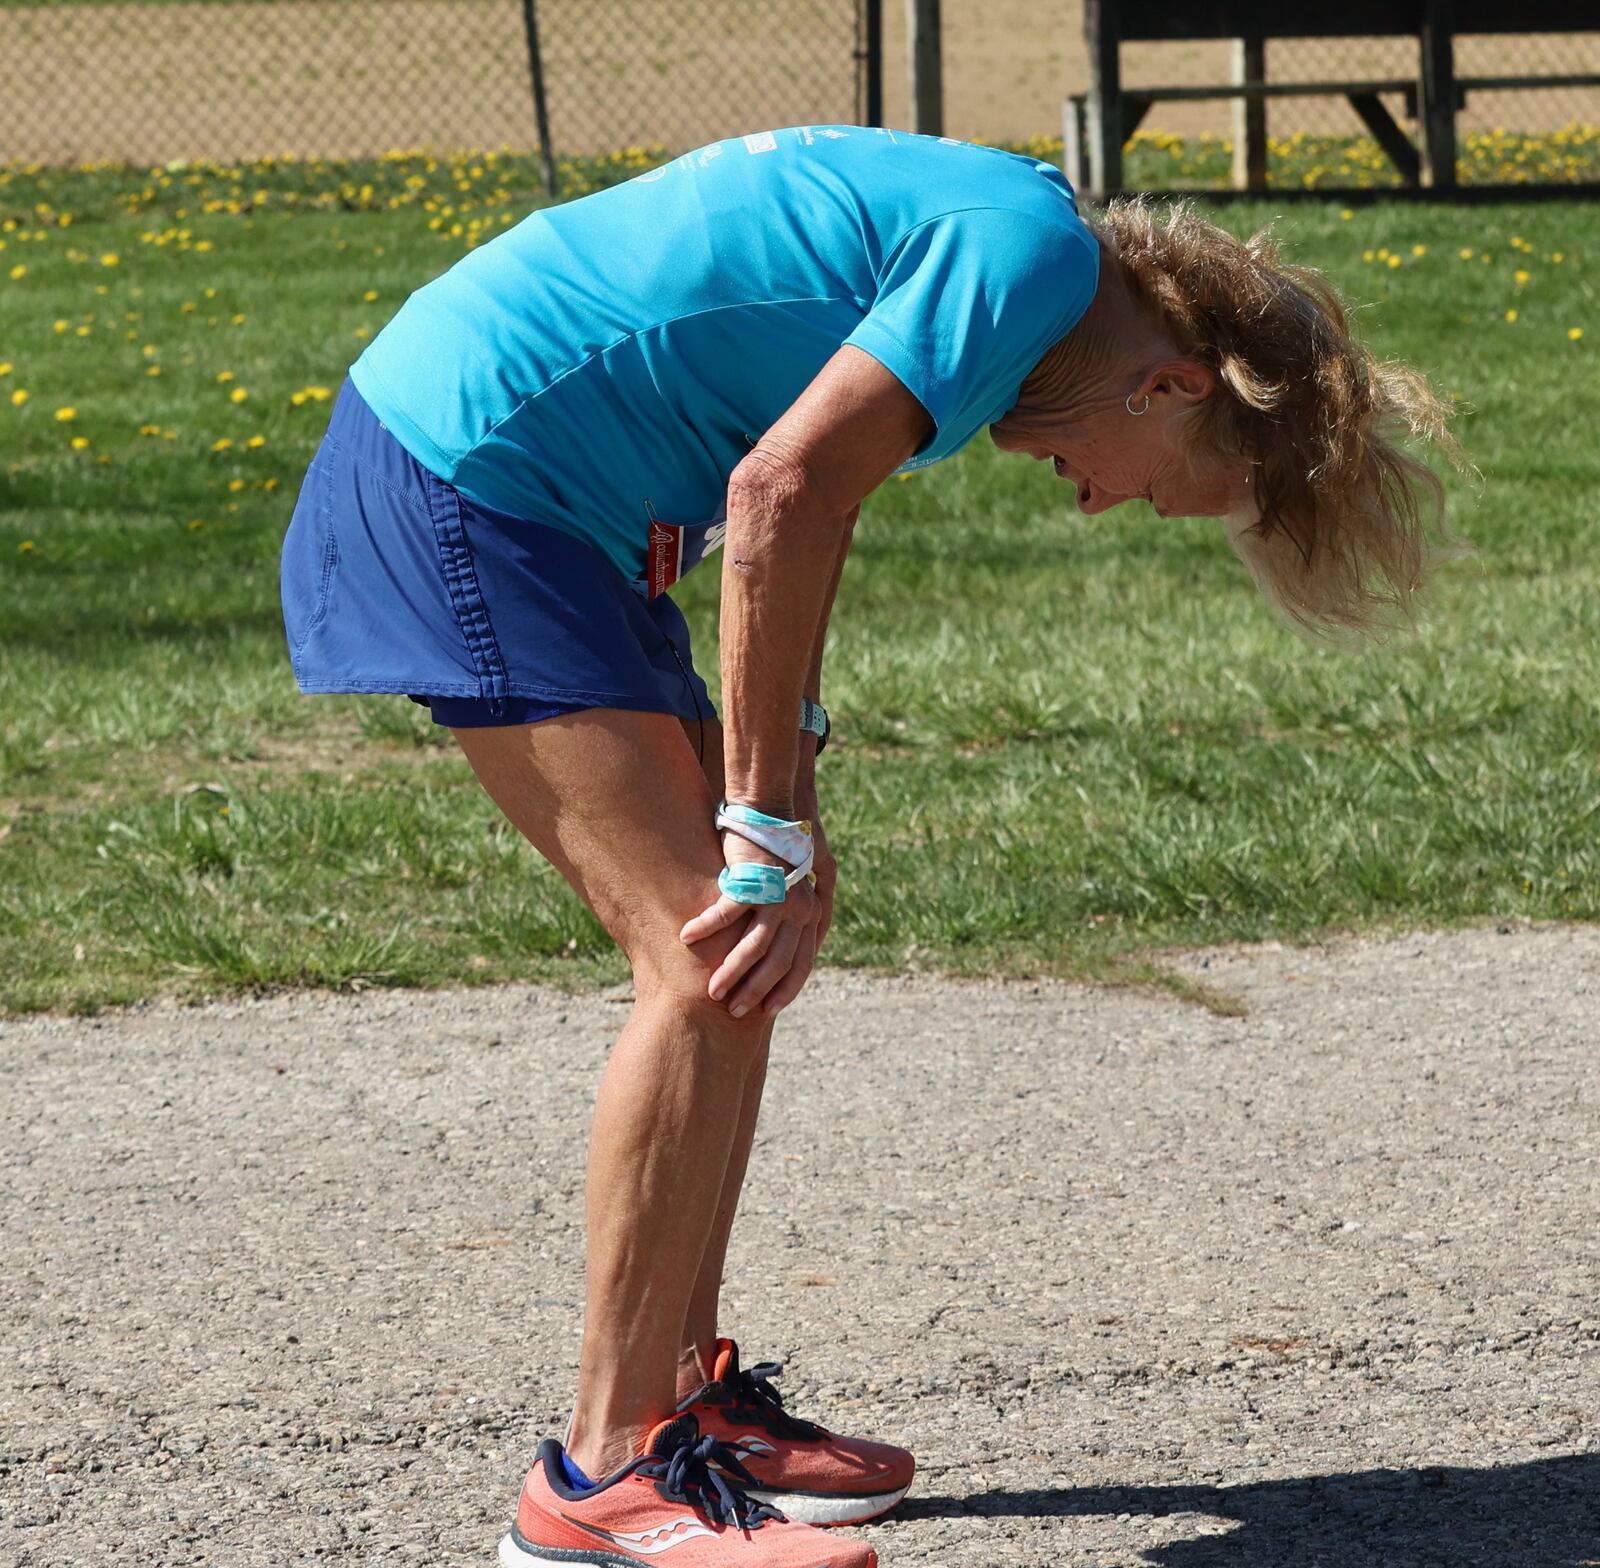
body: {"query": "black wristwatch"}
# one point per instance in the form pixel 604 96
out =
pixel 814 720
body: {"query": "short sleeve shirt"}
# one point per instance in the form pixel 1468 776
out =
pixel 609 361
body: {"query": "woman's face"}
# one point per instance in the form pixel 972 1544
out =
pixel 1111 456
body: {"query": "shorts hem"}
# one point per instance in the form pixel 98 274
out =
pixel 552 694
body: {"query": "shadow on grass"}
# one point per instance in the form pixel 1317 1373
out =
pixel 1544 1514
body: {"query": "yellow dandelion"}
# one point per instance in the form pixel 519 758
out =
pixel 25 548
pixel 1347 215
pixel 1466 253
pixel 109 258
pixel 256 441
pixel 18 271
pixel 194 523
pixel 1558 256
pixel 221 445
pixel 211 293
pixel 60 324
pixel 1368 255
pixel 297 398
pixel 238 395
pixel 237 321
pixel 1575 333
pixel 80 443
pixel 270 484
pixel 82 332
pixel 1419 250
pixel 224 375
pixel 202 245
pixel 6 368
pixel 18 398
pixel 152 370
pixel 1511 315
pixel 235 486
pixel 1520 278
pixel 1394 261
pixel 65 415
pixel 149 430
pixel 369 296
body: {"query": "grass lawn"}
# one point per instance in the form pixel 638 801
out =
pixel 1062 743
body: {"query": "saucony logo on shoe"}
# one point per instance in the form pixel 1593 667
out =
pixel 660 1538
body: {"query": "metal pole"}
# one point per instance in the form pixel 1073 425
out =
pixel 924 64
pixel 871 55
pixel 541 110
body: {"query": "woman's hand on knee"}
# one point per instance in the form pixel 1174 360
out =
pixel 776 947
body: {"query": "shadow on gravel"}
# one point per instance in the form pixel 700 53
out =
pixel 1545 1514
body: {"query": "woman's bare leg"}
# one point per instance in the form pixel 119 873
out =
pixel 700 1327
pixel 618 802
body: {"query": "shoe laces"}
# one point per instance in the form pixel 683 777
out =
pixel 699 1472
pixel 755 1385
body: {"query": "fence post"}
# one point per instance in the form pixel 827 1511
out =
pixel 541 110
pixel 1438 104
pixel 869 53
pixel 926 68
pixel 1106 133
pixel 1249 116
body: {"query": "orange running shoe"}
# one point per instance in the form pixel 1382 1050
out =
pixel 805 1470
pixel 683 1502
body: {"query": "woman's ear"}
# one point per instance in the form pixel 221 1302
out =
pixel 1186 381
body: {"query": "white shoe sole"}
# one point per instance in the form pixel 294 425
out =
pixel 807 1508
pixel 513 1556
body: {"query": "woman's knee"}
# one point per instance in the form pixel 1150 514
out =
pixel 679 986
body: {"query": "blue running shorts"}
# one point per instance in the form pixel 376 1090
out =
pixel 393 581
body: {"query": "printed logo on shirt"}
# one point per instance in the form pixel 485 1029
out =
pixel 761 141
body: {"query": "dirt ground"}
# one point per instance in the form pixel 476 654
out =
pixel 297 1280
pixel 152 82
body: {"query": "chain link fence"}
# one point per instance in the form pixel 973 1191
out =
pixel 147 81
pixel 683 72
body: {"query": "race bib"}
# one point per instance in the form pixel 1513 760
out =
pixel 673 549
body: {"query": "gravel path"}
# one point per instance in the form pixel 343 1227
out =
pixel 297 1280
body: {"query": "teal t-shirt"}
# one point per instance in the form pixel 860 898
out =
pixel 609 361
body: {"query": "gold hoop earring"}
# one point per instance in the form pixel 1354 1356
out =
pixel 1138 413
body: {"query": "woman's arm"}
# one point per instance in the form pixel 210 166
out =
pixel 791 504
pixel 805 782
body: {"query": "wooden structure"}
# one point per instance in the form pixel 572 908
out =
pixel 1100 121
pixel 924 67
